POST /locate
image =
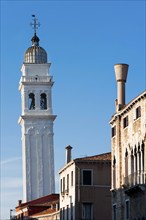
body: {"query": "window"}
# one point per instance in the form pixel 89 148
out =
pixel 114 172
pixel 67 182
pixel 142 155
pixel 87 177
pixel 127 210
pixel 63 213
pixel 113 131
pixel 87 211
pixel 71 211
pixel 132 162
pixel 139 160
pixel 43 101
pixel 126 163
pixel 138 112
pixel 31 101
pixel 125 122
pixel 63 184
pixel 135 154
pixel 67 212
pixel 114 212
pixel 71 178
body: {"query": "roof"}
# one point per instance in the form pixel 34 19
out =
pixel 128 106
pixel 99 157
pixel 45 200
pixel 45 212
pixel 35 54
pixel 95 158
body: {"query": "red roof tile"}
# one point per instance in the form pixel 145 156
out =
pixel 42 201
pixel 45 212
pixel 100 157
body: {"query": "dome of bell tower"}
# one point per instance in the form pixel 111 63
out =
pixel 35 53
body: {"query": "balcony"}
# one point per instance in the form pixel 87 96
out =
pixel 138 177
pixel 36 79
pixel 135 182
pixel 67 191
pixel 62 193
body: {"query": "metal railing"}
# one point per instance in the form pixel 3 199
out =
pixel 139 177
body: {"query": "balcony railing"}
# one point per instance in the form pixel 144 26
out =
pixel 63 193
pixel 36 79
pixel 67 191
pixel 136 178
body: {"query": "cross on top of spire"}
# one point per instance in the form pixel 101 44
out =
pixel 35 24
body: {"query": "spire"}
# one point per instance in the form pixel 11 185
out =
pixel 35 40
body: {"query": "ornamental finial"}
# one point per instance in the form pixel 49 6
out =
pixel 35 24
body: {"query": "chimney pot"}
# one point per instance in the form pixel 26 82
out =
pixel 121 71
pixel 68 154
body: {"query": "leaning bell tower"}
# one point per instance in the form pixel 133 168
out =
pixel 36 122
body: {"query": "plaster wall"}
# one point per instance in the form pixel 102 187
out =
pixel 67 197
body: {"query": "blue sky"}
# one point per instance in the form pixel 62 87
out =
pixel 83 39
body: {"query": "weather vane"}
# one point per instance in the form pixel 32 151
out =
pixel 35 24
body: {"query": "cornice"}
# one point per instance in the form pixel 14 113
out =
pixel 36 117
pixel 128 107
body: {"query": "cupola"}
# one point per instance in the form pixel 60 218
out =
pixel 35 54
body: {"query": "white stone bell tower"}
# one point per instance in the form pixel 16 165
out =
pixel 37 122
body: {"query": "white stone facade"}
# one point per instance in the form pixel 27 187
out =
pixel 67 191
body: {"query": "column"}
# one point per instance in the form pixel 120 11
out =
pixel 49 100
pixel 142 165
pixel 40 165
pixel 37 100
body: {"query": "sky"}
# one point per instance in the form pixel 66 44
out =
pixel 83 39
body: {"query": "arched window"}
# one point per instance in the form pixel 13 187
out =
pixel 126 163
pixel 31 101
pixel 114 173
pixel 43 101
pixel 132 163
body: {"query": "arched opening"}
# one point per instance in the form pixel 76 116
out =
pixel 31 101
pixel 126 163
pixel 114 173
pixel 43 101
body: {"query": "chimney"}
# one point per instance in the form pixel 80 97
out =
pixel 57 206
pixel 19 202
pixel 68 153
pixel 121 71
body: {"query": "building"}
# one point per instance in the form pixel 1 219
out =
pixel 128 128
pixel 85 187
pixel 44 208
pixel 36 121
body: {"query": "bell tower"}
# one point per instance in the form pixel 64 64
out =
pixel 36 122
